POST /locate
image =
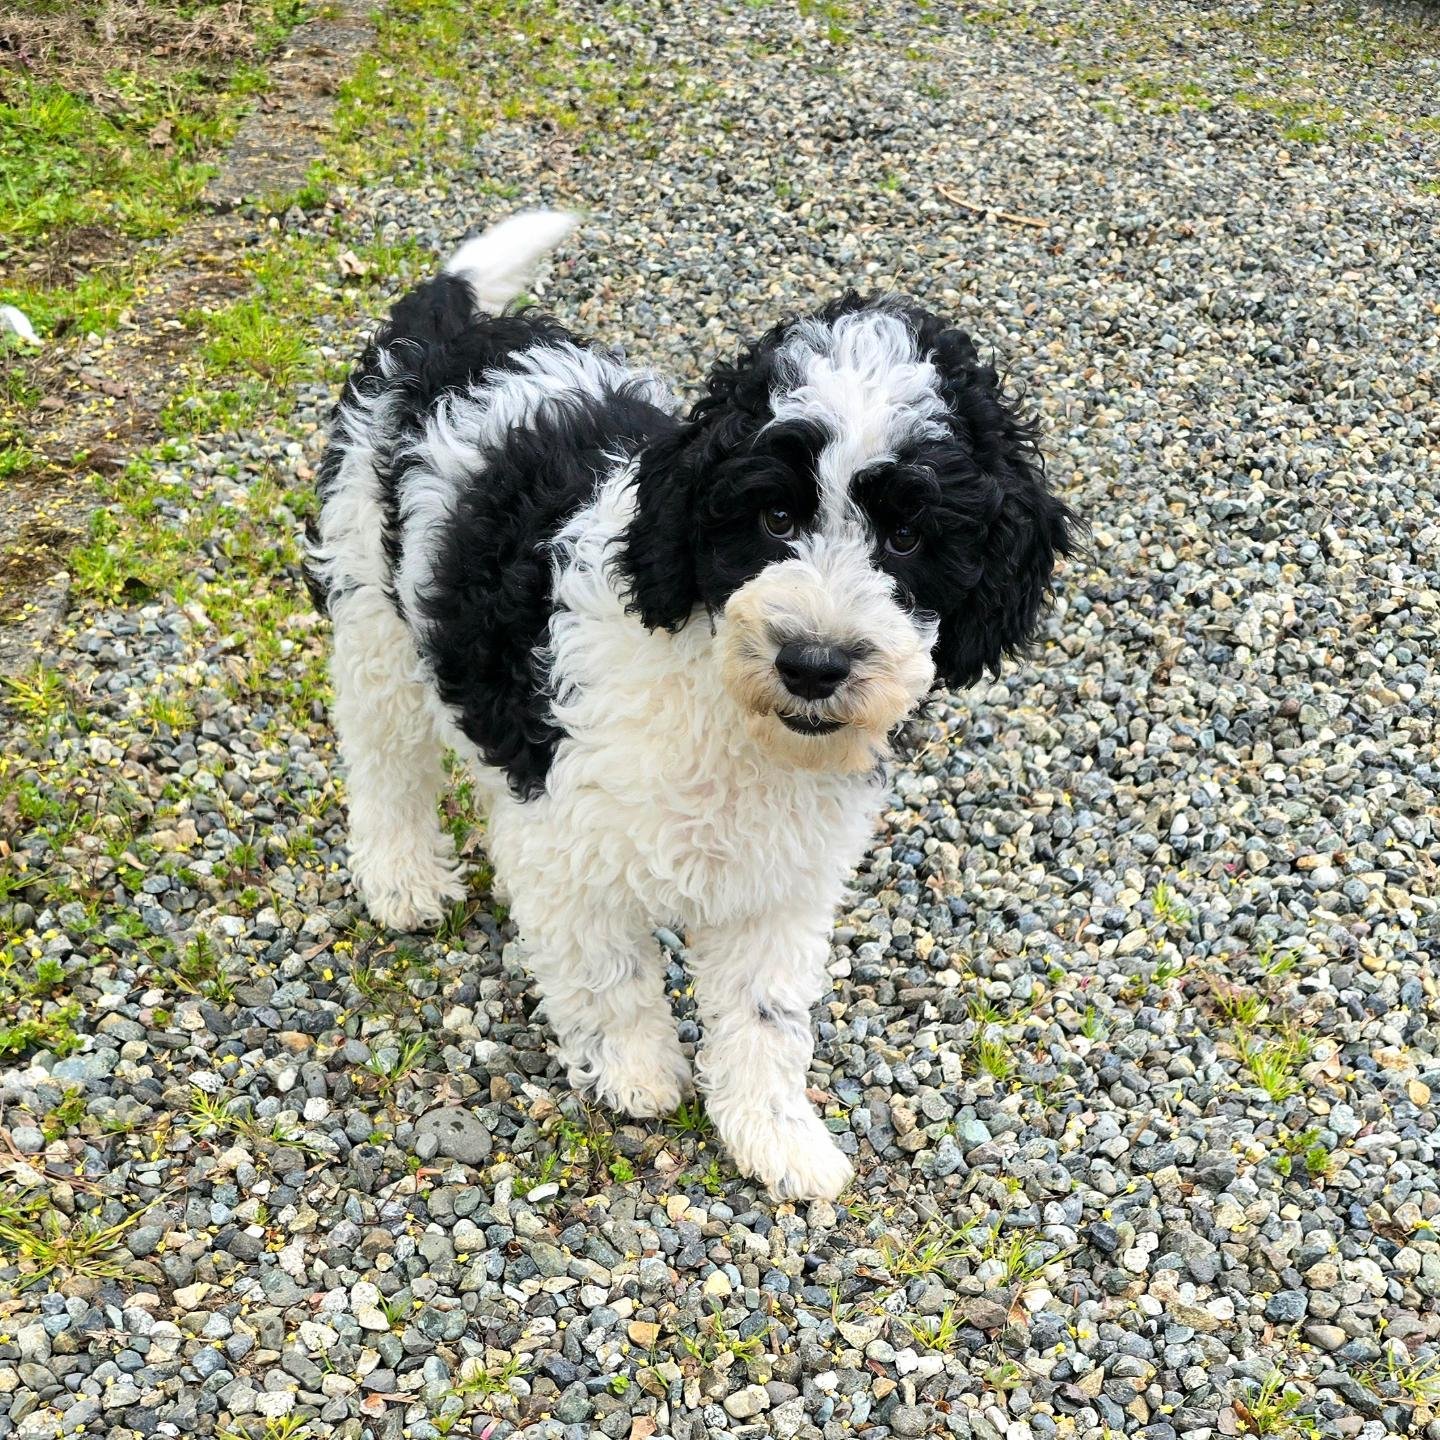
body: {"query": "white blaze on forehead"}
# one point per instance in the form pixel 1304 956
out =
pixel 860 380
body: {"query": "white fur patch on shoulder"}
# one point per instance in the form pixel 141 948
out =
pixel 463 427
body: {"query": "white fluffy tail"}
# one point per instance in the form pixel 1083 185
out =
pixel 18 322
pixel 501 262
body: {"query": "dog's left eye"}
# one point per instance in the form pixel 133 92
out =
pixel 903 540
pixel 778 522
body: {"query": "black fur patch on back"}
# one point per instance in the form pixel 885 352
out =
pixel 439 344
pixel 487 609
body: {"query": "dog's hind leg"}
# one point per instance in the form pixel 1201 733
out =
pixel 402 862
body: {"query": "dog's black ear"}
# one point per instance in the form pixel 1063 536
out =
pixel 1005 529
pixel 660 557
pixel 657 558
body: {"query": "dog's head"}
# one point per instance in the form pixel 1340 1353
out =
pixel 861 511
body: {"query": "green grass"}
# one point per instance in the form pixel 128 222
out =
pixel 40 695
pixel 1241 1007
pixel 1169 910
pixel 250 339
pixel 475 1379
pixel 283 1427
pixel 102 145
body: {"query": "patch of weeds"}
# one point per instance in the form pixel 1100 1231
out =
pixel 50 1248
pixel 547 1171
pixel 1019 1265
pixel 1275 963
pixel 233 404
pixel 1309 1150
pixel 983 1011
pixel 460 815
pixel 1092 1027
pixel 40 695
pixel 589 1151
pixel 383 979
pixel 421 66
pixel 1169 910
pixel 199 971
pixel 926 1252
pixel 995 1057
pixel 937 1332
pixel 475 1379
pixel 1417 1380
pixel 49 1027
pixel 1304 120
pixel 1274 1409
pixel 691 1122
pixel 102 143
pixel 1244 1008
pixel 251 340
pixel 390 1065
pixel 120 563
pixel 711 1180
pixel 163 713
pixel 1004 1377
pixel 712 1339
pixel 211 1116
pixel 281 1427
pixel 456 920
pixel 1274 1061
pixel 1167 969
pixel 833 15
pixel 66 1115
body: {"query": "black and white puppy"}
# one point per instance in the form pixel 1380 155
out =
pixel 672 646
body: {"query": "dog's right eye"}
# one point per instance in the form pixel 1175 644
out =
pixel 778 522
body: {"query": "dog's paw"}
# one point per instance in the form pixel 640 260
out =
pixel 642 1079
pixel 793 1156
pixel 412 895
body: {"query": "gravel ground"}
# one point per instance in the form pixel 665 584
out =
pixel 1133 1033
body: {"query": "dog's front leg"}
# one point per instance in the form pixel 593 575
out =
pixel 755 983
pixel 602 980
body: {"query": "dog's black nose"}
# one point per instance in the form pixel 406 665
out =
pixel 812 672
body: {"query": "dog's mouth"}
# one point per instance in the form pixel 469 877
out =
pixel 808 725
